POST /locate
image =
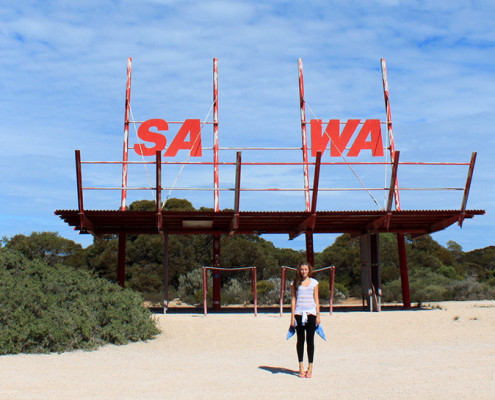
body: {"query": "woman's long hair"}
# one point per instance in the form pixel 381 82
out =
pixel 298 279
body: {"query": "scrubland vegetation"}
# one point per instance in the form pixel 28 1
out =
pixel 57 296
pixel 54 308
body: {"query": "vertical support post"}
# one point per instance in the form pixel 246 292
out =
pixel 126 135
pixel 121 260
pixel 393 181
pixel 205 290
pixel 366 290
pixel 390 131
pixel 467 187
pixel 159 221
pixel 282 290
pixel 237 196
pixel 332 288
pixel 216 201
pixel 234 225
pixel 216 273
pixel 404 276
pixel 255 291
pixel 302 103
pixel 165 272
pixel 376 285
pixel 80 200
pixel 310 254
pixel 316 182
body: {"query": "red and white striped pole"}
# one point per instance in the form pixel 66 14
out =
pixel 303 134
pixel 126 135
pixel 390 131
pixel 215 136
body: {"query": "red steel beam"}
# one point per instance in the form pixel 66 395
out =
pixel 216 272
pixel 310 253
pixel 332 288
pixel 380 222
pixel 282 289
pixel 255 291
pixel 404 275
pixel 235 219
pixel 216 200
pixel 393 181
pixel 121 260
pixel 467 188
pixel 205 290
pixel 316 182
pixel 85 224
pixel 126 135
pixel 302 104
pixel 158 174
pixel 165 271
pixel 390 130
pixel 309 223
pixel 80 201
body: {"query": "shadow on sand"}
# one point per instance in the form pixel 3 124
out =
pixel 278 370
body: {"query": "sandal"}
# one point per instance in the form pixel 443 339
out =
pixel 307 374
pixel 302 375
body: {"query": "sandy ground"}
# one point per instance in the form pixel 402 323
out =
pixel 442 353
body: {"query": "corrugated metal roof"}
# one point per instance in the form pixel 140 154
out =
pixel 415 222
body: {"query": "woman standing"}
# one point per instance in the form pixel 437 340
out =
pixel 305 311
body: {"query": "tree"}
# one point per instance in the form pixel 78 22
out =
pixel 48 247
pixel 344 254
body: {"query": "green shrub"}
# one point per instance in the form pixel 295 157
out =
pixel 236 293
pixel 269 291
pixel 449 272
pixel 264 287
pixel 190 289
pixel 392 291
pixel 55 308
pixel 324 290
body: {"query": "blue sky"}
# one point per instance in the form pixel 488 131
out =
pixel 62 85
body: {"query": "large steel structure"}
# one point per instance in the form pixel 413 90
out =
pixel 365 224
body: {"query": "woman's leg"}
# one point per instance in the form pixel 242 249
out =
pixel 310 338
pixel 300 331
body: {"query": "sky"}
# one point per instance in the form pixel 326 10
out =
pixel 62 88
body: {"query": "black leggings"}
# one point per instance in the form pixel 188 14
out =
pixel 309 329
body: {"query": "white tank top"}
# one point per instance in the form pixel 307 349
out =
pixel 305 302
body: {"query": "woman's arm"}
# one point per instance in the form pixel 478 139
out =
pixel 293 306
pixel 316 296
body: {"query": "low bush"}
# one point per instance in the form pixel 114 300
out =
pixel 236 293
pixel 442 286
pixel 190 289
pixel 55 308
pixel 269 291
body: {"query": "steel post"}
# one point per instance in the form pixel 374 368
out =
pixel 282 290
pixel 216 273
pixel 404 276
pixel 390 131
pixel 467 188
pixel 216 200
pixel 123 204
pixel 332 288
pixel 375 270
pixel 255 291
pixel 205 290
pixel 302 103
pixel 121 260
pixel 310 254
pixel 366 289
pixel 165 272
